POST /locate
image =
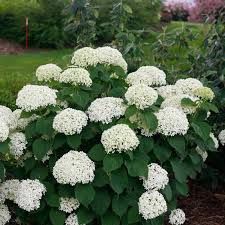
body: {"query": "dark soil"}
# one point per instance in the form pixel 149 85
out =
pixel 204 207
pixel 7 47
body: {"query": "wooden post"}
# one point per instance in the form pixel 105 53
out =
pixel 27 37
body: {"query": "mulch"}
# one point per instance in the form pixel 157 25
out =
pixel 204 207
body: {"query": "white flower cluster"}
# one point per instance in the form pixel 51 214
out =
pixel 175 101
pixel 23 122
pixel 72 220
pixel 68 205
pixel 29 194
pixel 152 204
pixel 87 56
pixel 202 153
pixel 204 93
pixel 222 137
pixel 158 76
pixel 172 121
pixel 7 116
pixel 148 75
pixel 4 130
pixel 5 215
pixel 157 178
pixel 8 190
pixel 188 86
pixel 177 217
pixel 119 138
pixel 74 167
pixel 17 144
pixel 70 121
pixel 48 72
pixel 32 97
pixel 76 76
pixel 141 96
pixel 106 109
pixel 168 91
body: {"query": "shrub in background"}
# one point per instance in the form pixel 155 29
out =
pixel 93 145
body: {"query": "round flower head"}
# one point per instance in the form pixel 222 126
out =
pixel 74 167
pixel 168 91
pixel 215 140
pixel 222 137
pixel 4 130
pixel 8 190
pixel 177 217
pixel 172 121
pixel 138 78
pixel 17 144
pixel 175 101
pixel 106 109
pixel 68 205
pixel 202 153
pixel 151 205
pixel 70 121
pixel 187 86
pixel 23 122
pixel 85 57
pixel 141 96
pixel 119 138
pixel 32 97
pixel 48 72
pixel 5 215
pixel 72 220
pixel 111 56
pixel 158 76
pixel 157 178
pixel 8 117
pixel 29 194
pixel 204 93
pixel 76 76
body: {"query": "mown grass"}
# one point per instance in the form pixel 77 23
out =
pixel 18 70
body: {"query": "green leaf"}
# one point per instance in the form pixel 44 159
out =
pixel 40 148
pixel 2 172
pixel 119 180
pixel 4 147
pixel 133 215
pixel 202 129
pixel 29 164
pixel 167 192
pixel 195 157
pixel 85 193
pixel 209 107
pixel 158 220
pixel 162 152
pixel 52 200
pixel 117 92
pixel 178 143
pixel 81 98
pixel 39 173
pixel 146 144
pixel 101 201
pixel 130 111
pixel 182 188
pixel 97 153
pixel 59 141
pixel 74 141
pixel 44 125
pixel 179 170
pixel 119 205
pixel 65 190
pixel 187 102
pixel 30 130
pixel 57 217
pixel 85 216
pixel 110 219
pixel 127 8
pixel 137 168
pixel 149 120
pixel 101 178
pixel 112 162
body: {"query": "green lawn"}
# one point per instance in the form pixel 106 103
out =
pixel 18 70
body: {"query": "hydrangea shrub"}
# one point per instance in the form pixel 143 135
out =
pixel 91 144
